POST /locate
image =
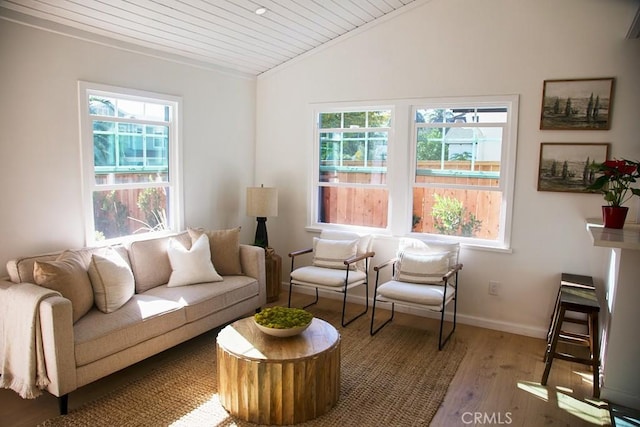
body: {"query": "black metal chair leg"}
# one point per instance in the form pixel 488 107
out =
pixel 314 301
pixel 344 307
pixel 441 343
pixel 373 316
pixel 308 305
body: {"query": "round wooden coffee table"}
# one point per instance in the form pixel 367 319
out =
pixel 270 380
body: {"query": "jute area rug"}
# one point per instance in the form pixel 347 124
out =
pixel 396 378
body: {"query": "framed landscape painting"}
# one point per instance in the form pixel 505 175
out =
pixel 581 104
pixel 566 166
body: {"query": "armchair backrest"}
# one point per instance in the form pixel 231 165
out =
pixel 364 242
pixel 417 245
pixel 422 262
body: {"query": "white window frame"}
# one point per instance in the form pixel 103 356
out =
pixel 506 180
pixel 315 178
pixel 175 180
pixel 401 165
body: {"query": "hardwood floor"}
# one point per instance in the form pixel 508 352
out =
pixel 498 383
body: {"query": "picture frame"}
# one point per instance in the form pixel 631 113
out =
pixel 564 167
pixel 578 104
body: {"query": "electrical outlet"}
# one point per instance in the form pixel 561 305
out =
pixel 494 288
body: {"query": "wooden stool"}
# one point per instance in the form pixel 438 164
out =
pixel 581 300
pixel 572 280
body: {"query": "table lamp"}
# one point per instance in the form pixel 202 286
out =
pixel 262 202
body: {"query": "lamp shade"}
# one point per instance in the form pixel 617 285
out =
pixel 262 201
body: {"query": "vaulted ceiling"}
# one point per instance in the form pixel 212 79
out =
pixel 223 33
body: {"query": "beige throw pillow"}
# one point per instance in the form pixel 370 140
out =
pixel 224 246
pixel 67 275
pixel 111 280
pixel 193 265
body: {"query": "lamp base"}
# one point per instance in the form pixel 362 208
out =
pixel 261 238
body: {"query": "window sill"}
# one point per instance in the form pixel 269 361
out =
pixel 478 246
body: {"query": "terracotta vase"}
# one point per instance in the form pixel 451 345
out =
pixel 614 216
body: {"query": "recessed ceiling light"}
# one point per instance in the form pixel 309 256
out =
pixel 261 10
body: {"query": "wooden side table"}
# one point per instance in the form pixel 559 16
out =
pixel 270 380
pixel 273 270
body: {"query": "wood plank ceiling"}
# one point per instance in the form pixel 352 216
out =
pixel 225 33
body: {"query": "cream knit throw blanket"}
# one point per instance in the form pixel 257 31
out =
pixel 21 354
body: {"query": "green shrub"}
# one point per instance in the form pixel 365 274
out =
pixel 451 217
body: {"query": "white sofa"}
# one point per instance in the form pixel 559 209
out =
pixel 81 348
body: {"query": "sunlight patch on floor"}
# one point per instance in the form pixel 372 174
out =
pixel 592 411
pixel 210 413
pixel 587 377
pixel 535 389
pixel 586 411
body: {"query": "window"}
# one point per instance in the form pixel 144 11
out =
pixel 449 171
pixel 351 175
pixel 130 155
pixel 462 173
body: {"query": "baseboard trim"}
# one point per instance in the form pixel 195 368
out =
pixel 481 322
pixel 499 325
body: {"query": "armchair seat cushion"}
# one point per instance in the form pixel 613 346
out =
pixel 313 276
pixel 414 293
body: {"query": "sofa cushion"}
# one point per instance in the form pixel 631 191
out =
pixel 150 262
pixel 190 266
pixel 225 249
pixel 67 275
pixel 98 334
pixel 204 299
pixel 111 280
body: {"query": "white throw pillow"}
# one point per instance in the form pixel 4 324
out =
pixel 422 267
pixel 332 253
pixel 365 242
pixel 111 279
pixel 193 265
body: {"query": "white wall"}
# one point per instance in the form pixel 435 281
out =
pixel 40 206
pixel 447 48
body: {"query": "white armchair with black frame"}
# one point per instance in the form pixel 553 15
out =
pixel 423 276
pixel 340 263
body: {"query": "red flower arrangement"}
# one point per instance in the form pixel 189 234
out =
pixel 615 181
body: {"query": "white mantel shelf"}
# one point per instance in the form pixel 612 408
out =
pixel 624 238
pixel 620 351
